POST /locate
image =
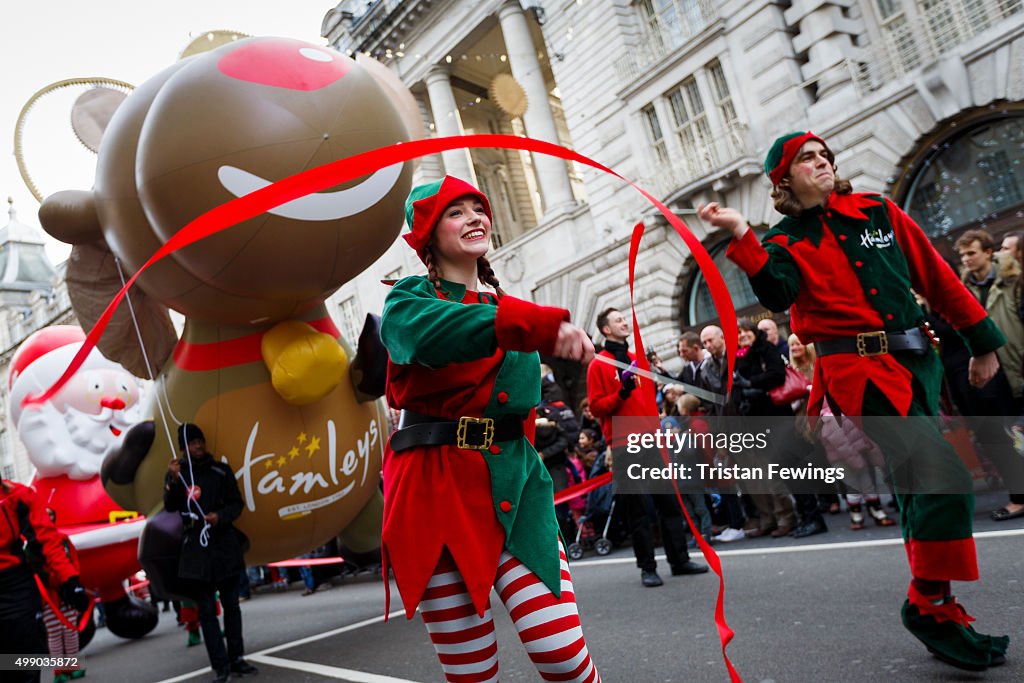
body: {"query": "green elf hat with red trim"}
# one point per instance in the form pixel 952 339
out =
pixel 426 203
pixel 782 153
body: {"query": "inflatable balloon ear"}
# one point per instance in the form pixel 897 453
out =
pixel 261 367
pixel 66 439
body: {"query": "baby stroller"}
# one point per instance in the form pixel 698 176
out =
pixel 603 545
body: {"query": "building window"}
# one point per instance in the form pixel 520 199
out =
pixel 669 23
pixel 351 321
pixel 692 128
pixel 974 178
pixel 8 472
pixel 919 31
pixel 654 134
pixel 395 275
pixel 699 308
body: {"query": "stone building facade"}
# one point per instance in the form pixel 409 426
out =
pixel 32 296
pixel 922 99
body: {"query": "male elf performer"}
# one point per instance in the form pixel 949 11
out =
pixel 844 264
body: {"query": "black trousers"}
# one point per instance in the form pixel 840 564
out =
pixel 205 594
pixel 639 511
pixel 24 633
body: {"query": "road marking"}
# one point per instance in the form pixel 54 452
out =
pixel 327 671
pixel 302 641
pixel 361 677
pixel 845 545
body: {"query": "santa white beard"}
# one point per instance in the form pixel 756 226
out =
pixel 72 443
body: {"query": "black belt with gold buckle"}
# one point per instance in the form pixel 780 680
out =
pixel 470 433
pixel 876 343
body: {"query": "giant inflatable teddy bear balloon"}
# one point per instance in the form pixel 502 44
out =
pixel 66 439
pixel 260 367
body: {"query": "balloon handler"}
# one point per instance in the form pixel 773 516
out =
pixel 876 360
pixel 468 503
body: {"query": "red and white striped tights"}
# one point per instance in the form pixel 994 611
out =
pixel 549 627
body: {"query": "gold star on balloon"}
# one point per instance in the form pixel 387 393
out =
pixel 281 461
pixel 294 452
pixel 269 463
pixel 301 437
pixel 314 445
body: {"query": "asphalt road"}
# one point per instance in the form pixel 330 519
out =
pixel 817 609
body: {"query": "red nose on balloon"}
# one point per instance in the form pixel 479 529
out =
pixel 113 402
pixel 285 63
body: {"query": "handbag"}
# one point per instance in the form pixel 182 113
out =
pixel 794 388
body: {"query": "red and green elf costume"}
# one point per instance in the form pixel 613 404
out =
pixel 848 268
pixel 456 353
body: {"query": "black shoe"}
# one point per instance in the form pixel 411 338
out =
pixel 242 667
pixel 650 578
pixel 223 676
pixel 689 568
pixel 810 529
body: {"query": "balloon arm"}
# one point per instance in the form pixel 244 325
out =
pixel 369 369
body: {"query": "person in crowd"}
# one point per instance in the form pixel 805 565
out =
pixel 588 421
pixel 714 371
pixel 771 332
pixel 994 280
pixel 614 392
pixel 61 638
pixel 467 500
pixel 1011 245
pixel 712 375
pixel 588 448
pixel 847 446
pixel 875 360
pixel 204 492
pixel 27 537
pixel 690 419
pixel 802 357
pixel 692 352
pixel 671 394
pixel 556 432
pixel 760 368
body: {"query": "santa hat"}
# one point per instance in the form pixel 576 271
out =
pixel 783 151
pixel 41 359
pixel 426 203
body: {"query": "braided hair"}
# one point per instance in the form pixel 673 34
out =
pixel 485 273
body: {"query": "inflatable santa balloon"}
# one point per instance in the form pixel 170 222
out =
pixel 67 438
pixel 261 366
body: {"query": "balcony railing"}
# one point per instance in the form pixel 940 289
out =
pixel 910 42
pixel 665 37
pixel 699 160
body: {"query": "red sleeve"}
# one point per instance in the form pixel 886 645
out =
pixel 603 391
pixel 931 276
pixel 37 528
pixel 524 326
pixel 748 253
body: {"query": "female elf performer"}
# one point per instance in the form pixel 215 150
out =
pixel 468 504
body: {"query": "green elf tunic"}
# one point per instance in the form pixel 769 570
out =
pixel 456 353
pixel 847 269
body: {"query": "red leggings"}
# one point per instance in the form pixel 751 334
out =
pixel 549 627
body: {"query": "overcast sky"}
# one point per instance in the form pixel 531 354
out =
pixel 46 41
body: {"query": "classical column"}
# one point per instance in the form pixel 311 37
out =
pixel 448 122
pixel 552 176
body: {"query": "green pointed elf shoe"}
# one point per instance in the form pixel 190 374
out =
pixel 945 630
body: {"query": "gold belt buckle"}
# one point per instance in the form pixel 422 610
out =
pixel 862 346
pixel 463 430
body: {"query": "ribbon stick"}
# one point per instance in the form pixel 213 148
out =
pixel 338 172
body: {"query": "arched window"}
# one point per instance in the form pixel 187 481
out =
pixel 971 178
pixel 698 308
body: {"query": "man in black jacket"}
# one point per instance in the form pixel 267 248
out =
pixel 206 495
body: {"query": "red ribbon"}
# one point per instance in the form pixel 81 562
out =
pixel 577 490
pixel 344 170
pixel 44 593
pixel 307 561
